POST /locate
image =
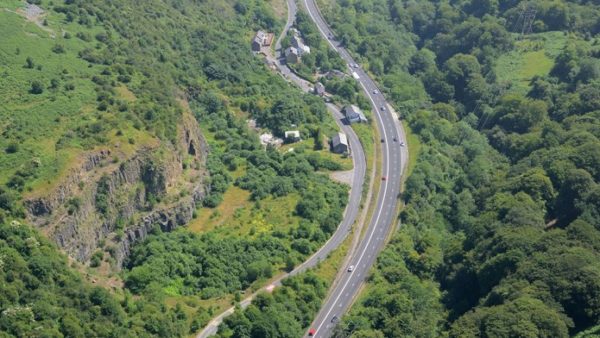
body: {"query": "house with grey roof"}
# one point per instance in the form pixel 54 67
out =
pixel 292 55
pixel 353 114
pixel 319 89
pixel 339 143
pixel 299 44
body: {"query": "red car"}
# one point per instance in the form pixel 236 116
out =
pixel 312 332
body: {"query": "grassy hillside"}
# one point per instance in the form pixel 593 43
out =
pixel 78 76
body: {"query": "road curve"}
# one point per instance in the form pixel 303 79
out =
pixel 350 213
pixel 394 160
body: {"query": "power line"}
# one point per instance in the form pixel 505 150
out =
pixel 526 18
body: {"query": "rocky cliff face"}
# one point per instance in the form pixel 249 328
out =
pixel 118 204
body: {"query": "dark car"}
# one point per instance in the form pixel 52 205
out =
pixel 334 319
pixel 382 140
pixel 395 139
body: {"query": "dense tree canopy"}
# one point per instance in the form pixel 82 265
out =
pixel 501 217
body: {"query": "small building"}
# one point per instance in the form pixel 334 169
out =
pixel 292 136
pixel 353 114
pixel 268 139
pixel 334 73
pixel 339 143
pixel 261 39
pixel 292 55
pixel 319 89
pixel 299 44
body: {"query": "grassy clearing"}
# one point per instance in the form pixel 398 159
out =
pixel 414 148
pixel 279 9
pixel 210 218
pixel 366 135
pixel 238 216
pixel 329 268
pixel 271 214
pixel 308 145
pixel 11 5
pixel 531 57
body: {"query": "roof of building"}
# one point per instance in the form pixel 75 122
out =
pixel 297 41
pixel 291 50
pixel 352 110
pixel 292 133
pixel 319 88
pixel 335 73
pixel 339 138
pixel 260 35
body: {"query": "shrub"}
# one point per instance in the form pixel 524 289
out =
pixel 36 87
pixel 12 148
pixel 58 49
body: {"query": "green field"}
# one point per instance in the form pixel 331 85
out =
pixel 54 127
pixel 532 56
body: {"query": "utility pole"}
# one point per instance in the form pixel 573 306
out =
pixel 526 18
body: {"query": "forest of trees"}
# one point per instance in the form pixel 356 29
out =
pixel 285 313
pixel 501 228
pixel 40 295
pixel 501 231
pixel 162 52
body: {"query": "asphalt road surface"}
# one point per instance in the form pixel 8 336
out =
pixel 394 159
pixel 350 213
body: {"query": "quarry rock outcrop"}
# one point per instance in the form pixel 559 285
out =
pixel 108 204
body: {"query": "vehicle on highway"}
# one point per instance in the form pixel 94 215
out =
pixel 375 92
pixel 312 332
pixel 395 139
pixel 382 140
pixel 351 268
pixel 402 144
pixel 354 75
pixel 382 108
pixel 355 65
pixel 334 319
pixel 383 178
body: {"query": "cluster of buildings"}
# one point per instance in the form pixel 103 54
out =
pixel 291 136
pixel 294 53
pixel 339 142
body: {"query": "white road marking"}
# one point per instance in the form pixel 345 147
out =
pixel 387 169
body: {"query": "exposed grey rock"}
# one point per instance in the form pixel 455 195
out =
pixel 112 196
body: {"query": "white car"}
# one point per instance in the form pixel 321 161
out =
pixel 402 144
pixel 375 91
pixel 351 268
pixel 382 108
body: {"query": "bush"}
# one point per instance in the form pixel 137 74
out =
pixel 36 87
pixel 12 148
pixel 96 259
pixel 58 49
